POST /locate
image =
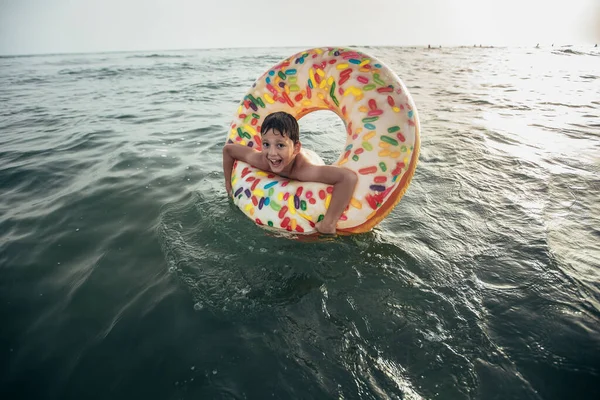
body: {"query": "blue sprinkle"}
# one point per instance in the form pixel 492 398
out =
pixel 271 73
pixel 310 85
pixel 377 188
pixel 348 147
pixel 410 114
pixel 290 72
pixel 270 185
pixel 395 178
pixel 354 61
pixel 301 61
pixel 267 201
pixel 370 126
pixel 377 65
pixel 268 80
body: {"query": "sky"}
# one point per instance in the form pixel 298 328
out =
pixel 72 26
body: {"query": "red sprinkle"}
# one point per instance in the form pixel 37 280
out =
pixel 299 191
pixel 374 113
pixel 254 184
pixel 358 151
pixel 282 211
pixel 380 179
pixel 254 200
pixel 322 194
pixel 367 170
pixel 312 200
pixel 372 104
pixel 329 189
pixel 285 222
pixel 309 194
pixel 400 137
pixel 362 79
pixel 286 196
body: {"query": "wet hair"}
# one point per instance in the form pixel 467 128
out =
pixel 282 122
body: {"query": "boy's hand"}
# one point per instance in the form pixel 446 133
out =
pixel 327 229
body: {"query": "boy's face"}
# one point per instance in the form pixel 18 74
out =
pixel 279 150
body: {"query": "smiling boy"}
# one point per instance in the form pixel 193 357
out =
pixel 282 154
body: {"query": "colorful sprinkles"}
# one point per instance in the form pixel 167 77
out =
pixel 381 145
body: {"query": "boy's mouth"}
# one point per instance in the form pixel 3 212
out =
pixel 275 163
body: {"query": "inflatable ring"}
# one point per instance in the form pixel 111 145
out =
pixel 381 143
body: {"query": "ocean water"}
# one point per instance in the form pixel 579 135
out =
pixel 125 272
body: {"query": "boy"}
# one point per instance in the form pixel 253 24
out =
pixel 281 154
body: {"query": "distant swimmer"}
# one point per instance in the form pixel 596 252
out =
pixel 537 46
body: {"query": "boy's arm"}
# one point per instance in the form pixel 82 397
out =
pixel 232 152
pixel 343 181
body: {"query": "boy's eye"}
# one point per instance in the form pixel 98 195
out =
pixel 281 145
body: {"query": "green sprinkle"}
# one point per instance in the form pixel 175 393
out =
pixel 320 218
pixel 255 115
pixel 403 149
pixel 270 223
pixel 281 75
pixel 275 206
pixel 247 135
pixel 294 88
pixel 368 87
pixel 383 166
pixel 240 133
pixel 367 146
pixel 389 140
pixel 303 205
pixel 260 103
pixel 293 79
pixel 393 129
pixel 271 192
pixel 369 119
pixel 355 157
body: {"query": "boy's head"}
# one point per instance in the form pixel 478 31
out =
pixel 283 123
pixel 280 142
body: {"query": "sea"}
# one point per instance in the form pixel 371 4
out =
pixel 126 273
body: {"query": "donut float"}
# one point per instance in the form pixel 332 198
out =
pixel 380 143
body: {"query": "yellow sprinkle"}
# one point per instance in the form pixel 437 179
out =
pixel 258 193
pixel 363 69
pixel 395 154
pixel 293 224
pixel 365 62
pixel 268 98
pixel 250 129
pixel 280 196
pixel 327 201
pixel 248 207
pixel 363 109
pixel 321 96
pixel 407 150
pixel 277 80
pixel 287 89
pixel 261 173
pixel 318 51
pixel 239 109
pixel 291 204
pixel 306 103
pixel 344 161
pixel 369 135
pixel 353 90
pixel 384 153
pixel 342 66
pixel 307 217
pixel 233 182
pixel 252 211
pixel 358 130
pixel 322 84
pixel 359 97
pixel 405 160
pixel 311 74
pixel 243 142
pixel 396 109
pixel 321 72
pixel 330 80
pixel 384 145
pixel 355 203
